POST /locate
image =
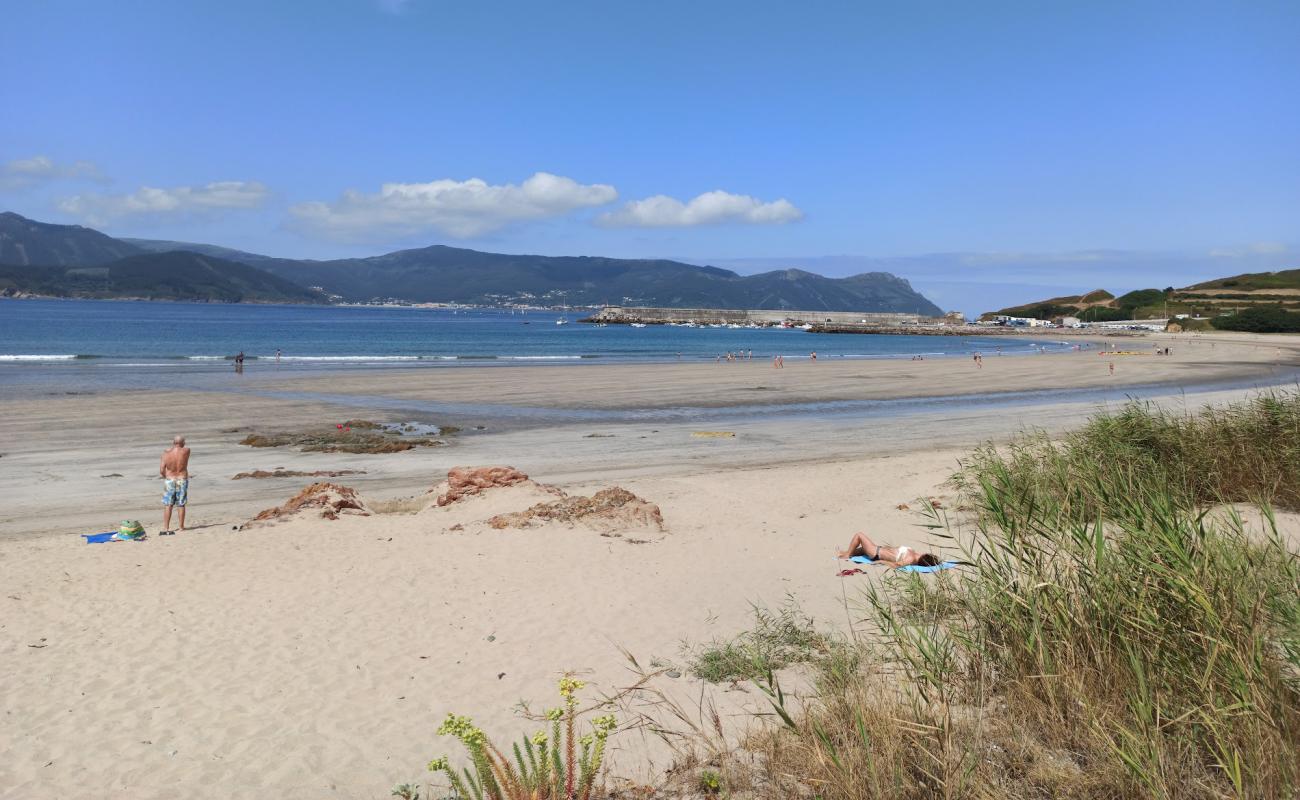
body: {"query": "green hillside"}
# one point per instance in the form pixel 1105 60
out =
pixel 1258 301
pixel 1099 305
pixel 1254 282
pixel 27 242
pixel 157 276
pixel 217 251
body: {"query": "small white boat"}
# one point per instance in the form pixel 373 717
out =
pixel 561 321
pixel 638 324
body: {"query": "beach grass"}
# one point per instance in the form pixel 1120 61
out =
pixel 1120 634
pixel 779 638
pixel 1246 452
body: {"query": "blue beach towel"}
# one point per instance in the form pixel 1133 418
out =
pixel 99 538
pixel 935 568
pixel 912 568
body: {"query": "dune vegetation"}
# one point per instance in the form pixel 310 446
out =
pixel 1129 626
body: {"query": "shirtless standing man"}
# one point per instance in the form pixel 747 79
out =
pixel 175 472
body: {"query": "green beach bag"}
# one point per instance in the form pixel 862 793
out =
pixel 130 529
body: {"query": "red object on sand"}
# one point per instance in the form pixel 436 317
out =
pixel 339 426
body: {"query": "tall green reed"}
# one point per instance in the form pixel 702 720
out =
pixel 1121 632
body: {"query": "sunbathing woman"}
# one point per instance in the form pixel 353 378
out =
pixel 861 545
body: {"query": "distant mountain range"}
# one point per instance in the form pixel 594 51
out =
pixel 72 261
pixel 157 276
pixel 42 258
pixel 26 242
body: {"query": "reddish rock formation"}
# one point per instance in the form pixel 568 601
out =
pixel 465 481
pixel 609 509
pixel 330 498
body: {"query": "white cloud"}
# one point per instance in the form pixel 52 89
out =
pixel 1257 249
pixel 24 172
pixel 456 208
pixel 710 208
pixel 100 209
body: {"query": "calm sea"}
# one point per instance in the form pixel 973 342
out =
pixel 90 344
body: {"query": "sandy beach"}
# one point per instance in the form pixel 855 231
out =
pixel 314 658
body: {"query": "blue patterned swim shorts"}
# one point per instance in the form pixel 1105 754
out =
pixel 176 492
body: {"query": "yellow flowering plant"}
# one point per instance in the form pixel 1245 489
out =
pixel 555 765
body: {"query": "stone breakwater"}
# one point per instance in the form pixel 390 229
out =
pixel 924 330
pixel 626 315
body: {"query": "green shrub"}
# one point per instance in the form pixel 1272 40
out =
pixel 710 782
pixel 1260 319
pixel 778 639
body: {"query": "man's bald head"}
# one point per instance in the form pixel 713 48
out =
pixel 178 441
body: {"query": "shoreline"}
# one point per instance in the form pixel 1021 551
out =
pixel 611 418
pixel 700 384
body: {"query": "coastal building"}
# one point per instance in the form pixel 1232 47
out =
pixel 1017 322
pixel 1128 324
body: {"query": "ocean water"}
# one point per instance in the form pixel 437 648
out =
pixel 69 345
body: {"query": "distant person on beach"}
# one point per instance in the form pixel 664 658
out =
pixel 174 469
pixel 277 355
pixel 1112 368
pixel 813 356
pixel 861 545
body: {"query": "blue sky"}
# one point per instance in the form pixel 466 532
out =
pixel 1016 140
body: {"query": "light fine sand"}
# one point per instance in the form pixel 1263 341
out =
pixel 315 658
